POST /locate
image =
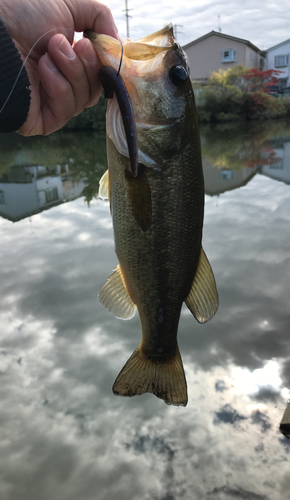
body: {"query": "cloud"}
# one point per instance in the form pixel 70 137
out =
pixel 63 432
pixel 263 23
pixel 261 419
pixel 220 386
pixel 228 415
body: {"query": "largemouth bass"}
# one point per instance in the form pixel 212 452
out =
pixel 157 212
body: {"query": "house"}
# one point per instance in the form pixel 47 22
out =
pixel 278 58
pixel 215 51
pixel 28 190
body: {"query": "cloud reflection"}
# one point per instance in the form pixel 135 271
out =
pixel 65 435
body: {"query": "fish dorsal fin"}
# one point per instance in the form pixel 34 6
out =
pixel 115 297
pixel 104 189
pixel 202 299
pixel 139 197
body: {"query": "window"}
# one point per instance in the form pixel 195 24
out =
pixel 226 175
pixel 228 55
pixel 51 194
pixel 252 56
pixel 281 61
pixel 277 166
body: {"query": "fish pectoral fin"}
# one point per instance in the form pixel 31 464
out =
pixel 202 299
pixel 164 378
pixel 139 198
pixel 115 297
pixel 104 189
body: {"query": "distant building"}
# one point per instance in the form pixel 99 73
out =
pixel 216 51
pixel 25 191
pixel 279 167
pixel 278 58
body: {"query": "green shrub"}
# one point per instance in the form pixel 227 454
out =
pixel 231 95
pixel 217 101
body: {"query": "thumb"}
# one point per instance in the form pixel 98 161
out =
pixel 90 14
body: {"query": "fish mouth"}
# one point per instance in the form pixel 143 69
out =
pixel 132 65
pixel 134 53
pixel 129 58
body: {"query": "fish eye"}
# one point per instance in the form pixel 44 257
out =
pixel 177 75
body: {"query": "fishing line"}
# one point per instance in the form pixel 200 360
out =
pixel 17 77
pixel 121 60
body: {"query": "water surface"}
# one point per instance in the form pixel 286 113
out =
pixel 63 434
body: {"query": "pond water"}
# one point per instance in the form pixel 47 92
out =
pixel 63 433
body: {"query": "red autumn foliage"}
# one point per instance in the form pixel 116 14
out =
pixel 261 80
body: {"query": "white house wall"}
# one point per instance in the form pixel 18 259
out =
pixel 281 169
pixel 280 50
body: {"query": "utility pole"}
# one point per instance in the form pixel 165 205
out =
pixel 175 30
pixel 219 23
pixel 127 16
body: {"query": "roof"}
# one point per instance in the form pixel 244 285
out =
pixel 278 45
pixel 223 35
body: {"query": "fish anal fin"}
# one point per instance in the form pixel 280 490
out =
pixel 104 189
pixel 139 198
pixel 115 297
pixel 202 299
pixel 164 378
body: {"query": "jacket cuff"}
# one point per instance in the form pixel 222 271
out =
pixel 14 87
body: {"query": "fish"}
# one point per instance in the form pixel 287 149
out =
pixel 157 210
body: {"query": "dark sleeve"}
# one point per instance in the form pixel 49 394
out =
pixel 13 107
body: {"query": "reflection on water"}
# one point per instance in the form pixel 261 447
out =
pixel 233 155
pixel 64 435
pixel 38 173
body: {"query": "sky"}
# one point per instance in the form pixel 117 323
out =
pixel 265 23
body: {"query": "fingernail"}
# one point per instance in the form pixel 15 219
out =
pixel 50 64
pixel 66 48
pixel 89 53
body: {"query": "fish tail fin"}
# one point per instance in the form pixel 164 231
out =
pixel 164 378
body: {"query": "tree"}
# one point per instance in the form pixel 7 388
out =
pixel 228 77
pixel 240 93
pixel 261 81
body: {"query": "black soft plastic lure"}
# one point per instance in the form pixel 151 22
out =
pixel 112 82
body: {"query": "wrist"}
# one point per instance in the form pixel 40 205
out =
pixel 14 89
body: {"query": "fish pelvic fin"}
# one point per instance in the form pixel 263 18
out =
pixel 104 189
pixel 164 378
pixel 115 297
pixel 202 299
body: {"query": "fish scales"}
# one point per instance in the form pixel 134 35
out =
pixel 157 215
pixel 158 264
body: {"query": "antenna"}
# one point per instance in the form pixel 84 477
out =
pixel 127 16
pixel 175 30
pixel 219 23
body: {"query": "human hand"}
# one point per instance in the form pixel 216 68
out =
pixel 64 78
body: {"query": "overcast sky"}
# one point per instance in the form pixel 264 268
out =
pixel 263 22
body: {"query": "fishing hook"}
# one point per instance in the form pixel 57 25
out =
pixel 121 60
